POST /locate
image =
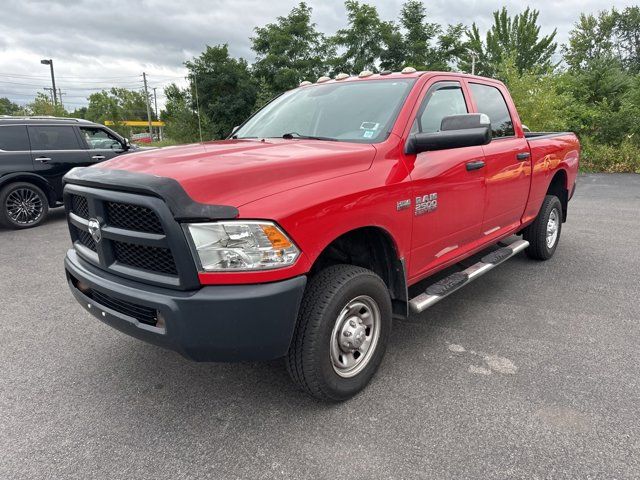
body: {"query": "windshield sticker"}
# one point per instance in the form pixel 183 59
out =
pixel 369 126
pixel 368 133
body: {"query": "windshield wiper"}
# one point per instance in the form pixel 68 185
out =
pixel 292 135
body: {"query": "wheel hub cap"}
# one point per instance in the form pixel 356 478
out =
pixel 355 336
pixel 552 228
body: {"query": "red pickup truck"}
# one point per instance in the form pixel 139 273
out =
pixel 300 235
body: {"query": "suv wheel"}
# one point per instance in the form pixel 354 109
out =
pixel 22 205
pixel 342 332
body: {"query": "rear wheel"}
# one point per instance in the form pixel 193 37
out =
pixel 342 332
pixel 22 205
pixel 543 234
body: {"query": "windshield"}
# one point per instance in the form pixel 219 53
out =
pixel 351 111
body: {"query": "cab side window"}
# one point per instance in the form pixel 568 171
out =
pixel 98 139
pixel 490 101
pixel 13 138
pixel 441 101
pixel 53 138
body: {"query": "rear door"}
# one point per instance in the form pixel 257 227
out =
pixel 101 144
pixel 448 199
pixel 15 153
pixel 56 149
pixel 508 166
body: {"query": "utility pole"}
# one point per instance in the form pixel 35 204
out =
pixel 50 90
pixel 60 93
pixel 146 96
pixel 155 102
pixel 474 56
pixel 53 79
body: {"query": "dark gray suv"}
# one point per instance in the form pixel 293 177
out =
pixel 36 152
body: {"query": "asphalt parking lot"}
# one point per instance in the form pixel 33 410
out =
pixel 530 372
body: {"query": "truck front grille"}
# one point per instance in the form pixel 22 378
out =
pixel 139 238
pixel 79 206
pixel 147 258
pixel 133 217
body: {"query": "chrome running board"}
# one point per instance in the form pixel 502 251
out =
pixel 439 290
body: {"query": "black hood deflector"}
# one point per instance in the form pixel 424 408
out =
pixel 182 206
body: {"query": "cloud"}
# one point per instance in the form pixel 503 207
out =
pixel 97 44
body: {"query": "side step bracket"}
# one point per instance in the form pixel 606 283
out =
pixel 439 290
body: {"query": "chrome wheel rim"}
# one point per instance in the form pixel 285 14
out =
pixel 552 228
pixel 355 336
pixel 24 206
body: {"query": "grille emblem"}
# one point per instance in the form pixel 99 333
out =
pixel 94 230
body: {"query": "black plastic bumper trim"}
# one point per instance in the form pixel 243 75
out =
pixel 214 323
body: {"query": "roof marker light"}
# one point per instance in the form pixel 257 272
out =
pixel 323 79
pixel 408 70
pixel 305 83
pixel 365 73
pixel 342 76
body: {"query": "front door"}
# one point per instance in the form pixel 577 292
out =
pixel 448 198
pixel 101 144
pixel 56 149
pixel 508 165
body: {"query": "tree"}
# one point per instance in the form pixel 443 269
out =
pixel 289 51
pixel 226 90
pixel 419 43
pixel 518 37
pixel 117 105
pixel 180 117
pixel 7 107
pixel 42 105
pixel 362 41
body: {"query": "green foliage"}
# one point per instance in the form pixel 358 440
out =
pixel 226 92
pixel 7 107
pixel 117 105
pixel 601 157
pixel 180 117
pixel 517 37
pixel 42 105
pixel 289 51
pixel 538 97
pixel 362 41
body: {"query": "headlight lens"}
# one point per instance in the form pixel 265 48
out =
pixel 234 246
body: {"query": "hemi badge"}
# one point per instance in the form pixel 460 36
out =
pixel 403 204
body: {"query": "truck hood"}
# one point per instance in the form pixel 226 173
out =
pixel 236 172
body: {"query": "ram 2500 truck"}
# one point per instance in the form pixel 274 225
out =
pixel 300 235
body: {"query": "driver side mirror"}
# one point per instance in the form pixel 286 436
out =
pixel 127 145
pixel 456 131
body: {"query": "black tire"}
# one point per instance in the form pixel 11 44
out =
pixel 536 233
pixel 38 199
pixel 309 361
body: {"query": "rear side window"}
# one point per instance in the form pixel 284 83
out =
pixel 490 101
pixel 443 101
pixel 13 138
pixel 53 138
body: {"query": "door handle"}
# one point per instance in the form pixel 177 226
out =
pixel 43 159
pixel 523 156
pixel 475 165
pixel 98 157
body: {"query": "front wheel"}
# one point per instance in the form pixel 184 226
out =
pixel 22 205
pixel 543 234
pixel 342 332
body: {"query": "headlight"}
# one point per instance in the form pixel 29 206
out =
pixel 233 246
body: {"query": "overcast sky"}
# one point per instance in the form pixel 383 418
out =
pixel 99 43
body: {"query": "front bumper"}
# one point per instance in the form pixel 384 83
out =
pixel 214 323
